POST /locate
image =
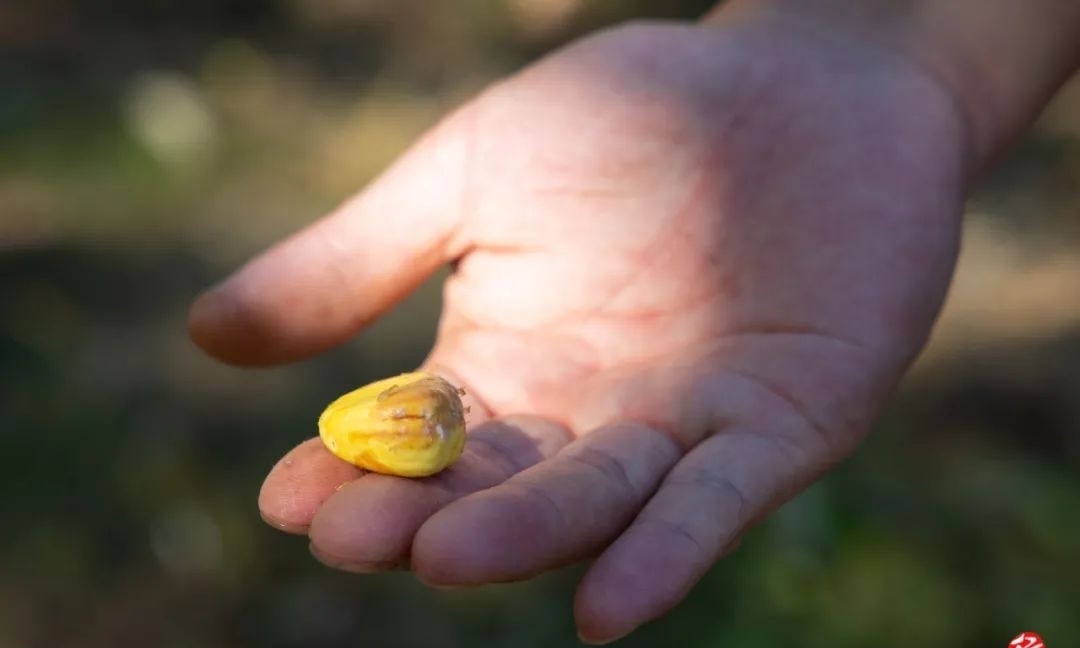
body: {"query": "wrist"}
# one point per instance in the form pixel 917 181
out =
pixel 999 61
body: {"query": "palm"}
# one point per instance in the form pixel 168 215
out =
pixel 702 265
pixel 611 242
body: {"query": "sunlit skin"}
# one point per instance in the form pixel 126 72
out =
pixel 692 262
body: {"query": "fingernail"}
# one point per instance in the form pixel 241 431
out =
pixel 287 527
pixel 212 306
pixel 350 566
pixel 446 588
pixel 596 641
pixel 204 317
pixel 584 639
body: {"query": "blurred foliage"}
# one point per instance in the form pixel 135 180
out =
pixel 148 147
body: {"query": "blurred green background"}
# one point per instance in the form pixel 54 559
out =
pixel 147 148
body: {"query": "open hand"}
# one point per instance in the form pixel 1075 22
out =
pixel 691 262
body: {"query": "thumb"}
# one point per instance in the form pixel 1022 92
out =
pixel 323 284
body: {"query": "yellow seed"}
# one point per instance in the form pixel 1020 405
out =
pixel 412 425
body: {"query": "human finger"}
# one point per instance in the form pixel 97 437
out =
pixel 320 286
pixel 369 524
pixel 554 513
pixel 699 513
pixel 299 484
